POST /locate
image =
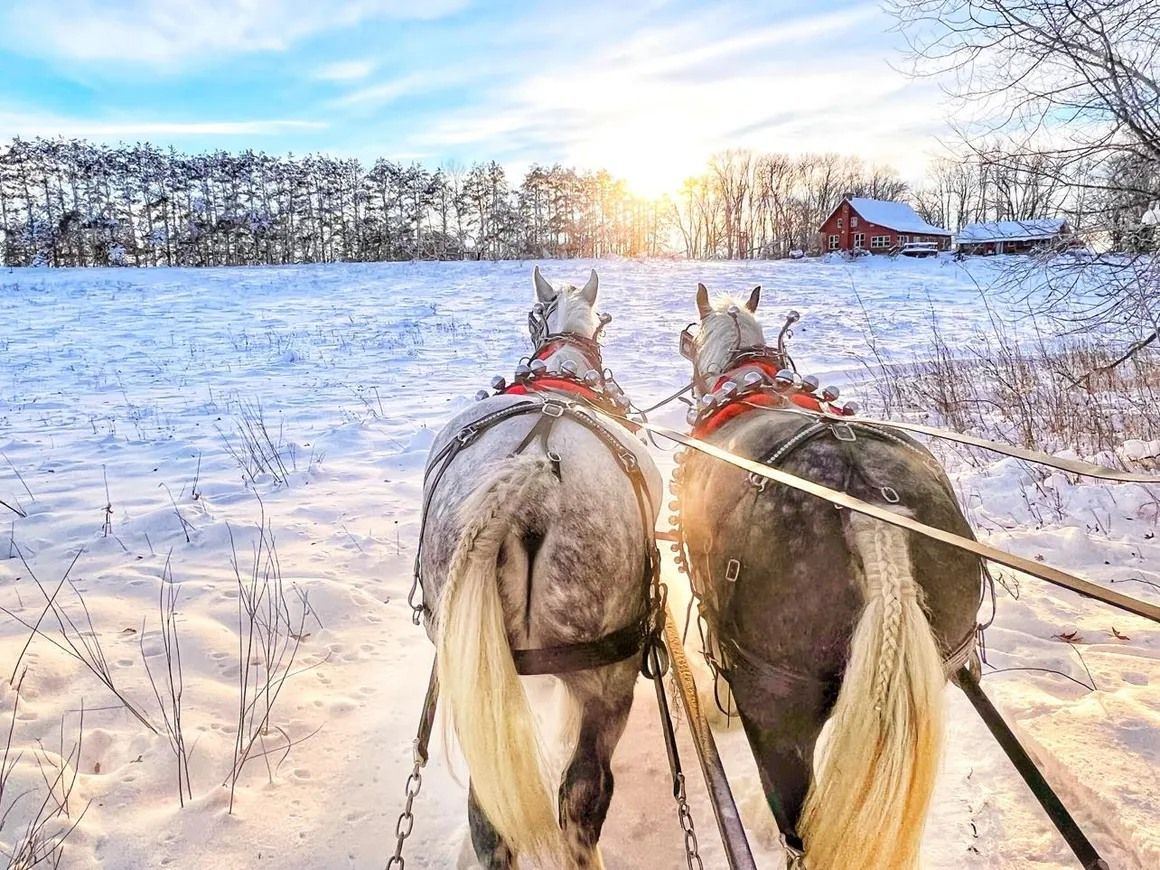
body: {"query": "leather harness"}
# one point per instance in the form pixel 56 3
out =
pixel 732 660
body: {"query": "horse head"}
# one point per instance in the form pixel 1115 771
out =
pixel 727 328
pixel 564 325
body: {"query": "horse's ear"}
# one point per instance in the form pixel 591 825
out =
pixel 588 292
pixel 703 306
pixel 544 291
pixel 754 298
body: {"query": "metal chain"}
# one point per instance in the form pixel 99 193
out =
pixel 406 822
pixel 692 852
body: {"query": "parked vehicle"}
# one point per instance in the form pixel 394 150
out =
pixel 796 254
pixel 919 249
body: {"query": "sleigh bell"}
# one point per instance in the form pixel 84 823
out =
pixel 569 367
pixel 522 371
pixel 592 377
pixel 728 389
pixel 752 379
pixel 538 366
pixel 830 393
pixel 851 408
pixel 498 383
pixel 481 395
pixel 810 383
pixel 691 417
pixel 709 400
pixel 784 378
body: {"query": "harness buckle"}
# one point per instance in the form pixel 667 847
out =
pixel 628 460
pixel 843 432
pixel 732 571
pixel 552 409
pixel 466 435
pixel 757 481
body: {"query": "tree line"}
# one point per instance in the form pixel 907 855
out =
pixel 67 202
pixel 76 203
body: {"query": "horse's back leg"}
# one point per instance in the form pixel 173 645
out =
pixel 490 848
pixel 783 747
pixel 603 698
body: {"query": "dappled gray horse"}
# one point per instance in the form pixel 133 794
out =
pixel 816 612
pixel 538 538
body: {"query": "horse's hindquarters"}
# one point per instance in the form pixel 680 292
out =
pixel 791 585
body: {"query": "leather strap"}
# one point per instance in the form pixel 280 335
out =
pixel 1027 566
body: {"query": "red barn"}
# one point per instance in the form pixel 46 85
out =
pixel 878 226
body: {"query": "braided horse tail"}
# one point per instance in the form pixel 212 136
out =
pixel 486 705
pixel 869 799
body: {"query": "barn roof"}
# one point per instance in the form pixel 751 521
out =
pixel 1011 231
pixel 894 216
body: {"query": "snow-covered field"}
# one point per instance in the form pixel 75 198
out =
pixel 121 395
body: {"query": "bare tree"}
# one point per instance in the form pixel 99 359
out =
pixel 1066 116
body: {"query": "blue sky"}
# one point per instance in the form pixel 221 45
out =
pixel 646 88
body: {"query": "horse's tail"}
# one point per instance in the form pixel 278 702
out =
pixel 870 797
pixel 486 705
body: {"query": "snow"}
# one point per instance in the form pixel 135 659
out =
pixel 139 377
pixel 1010 231
pixel 894 215
pixel 1151 217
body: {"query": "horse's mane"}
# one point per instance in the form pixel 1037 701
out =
pixel 718 337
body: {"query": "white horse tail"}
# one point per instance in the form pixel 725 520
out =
pixel 486 705
pixel 870 796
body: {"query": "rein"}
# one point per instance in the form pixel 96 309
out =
pixel 1027 566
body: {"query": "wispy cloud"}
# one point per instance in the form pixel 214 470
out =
pixel 647 89
pixel 345 71
pixel 382 93
pixel 174 33
pixel 655 104
pixel 34 124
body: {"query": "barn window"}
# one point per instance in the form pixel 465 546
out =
pixel 859 238
pixel 839 223
pixel 902 240
pixel 833 243
pixel 853 221
pixel 880 241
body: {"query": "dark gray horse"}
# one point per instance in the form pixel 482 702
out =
pixel 818 613
pixel 536 538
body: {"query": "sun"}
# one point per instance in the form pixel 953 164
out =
pixel 651 165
